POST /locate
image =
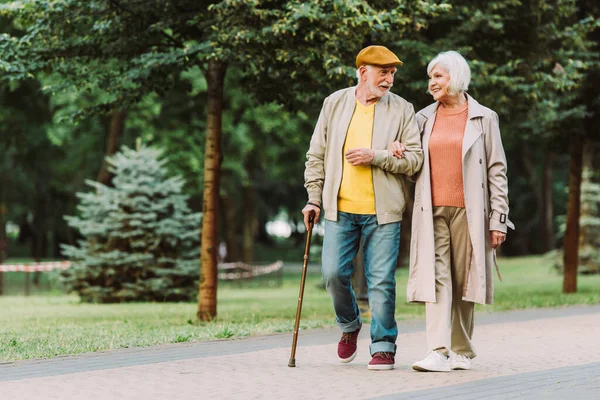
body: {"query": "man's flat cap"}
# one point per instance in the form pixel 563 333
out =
pixel 376 55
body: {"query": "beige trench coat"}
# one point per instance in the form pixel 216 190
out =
pixel 486 201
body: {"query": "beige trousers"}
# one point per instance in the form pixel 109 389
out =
pixel 450 319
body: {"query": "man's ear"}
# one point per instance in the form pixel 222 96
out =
pixel 362 71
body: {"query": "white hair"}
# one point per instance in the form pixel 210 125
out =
pixel 458 69
pixel 367 66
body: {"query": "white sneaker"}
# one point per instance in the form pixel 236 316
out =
pixel 433 362
pixel 460 361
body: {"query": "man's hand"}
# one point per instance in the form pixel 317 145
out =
pixel 497 238
pixel 361 156
pixel 397 149
pixel 306 211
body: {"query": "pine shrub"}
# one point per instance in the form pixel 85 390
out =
pixel 140 239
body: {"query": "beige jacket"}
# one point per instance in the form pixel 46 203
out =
pixel 394 120
pixel 486 198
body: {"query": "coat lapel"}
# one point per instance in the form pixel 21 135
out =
pixel 379 137
pixel 428 114
pixel 347 111
pixel 427 133
pixel 472 133
pixel 472 130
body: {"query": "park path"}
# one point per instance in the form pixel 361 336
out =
pixel 532 354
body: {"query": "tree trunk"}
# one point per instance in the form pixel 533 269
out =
pixel 262 235
pixel 542 188
pixel 249 221
pixel 547 221
pixel 207 298
pixel 571 244
pixel 115 130
pixel 230 225
pixel 39 235
pixel 536 187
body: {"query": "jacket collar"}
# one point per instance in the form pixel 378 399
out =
pixel 475 109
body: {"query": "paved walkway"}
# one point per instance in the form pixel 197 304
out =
pixel 532 354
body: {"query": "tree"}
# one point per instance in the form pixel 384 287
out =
pixel 529 61
pixel 264 146
pixel 272 44
pixel 588 42
pixel 140 238
pixel 291 51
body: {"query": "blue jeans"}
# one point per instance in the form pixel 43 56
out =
pixel 380 251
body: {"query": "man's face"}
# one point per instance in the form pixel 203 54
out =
pixel 379 79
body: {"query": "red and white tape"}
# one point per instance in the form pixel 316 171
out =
pixel 35 267
pixel 246 271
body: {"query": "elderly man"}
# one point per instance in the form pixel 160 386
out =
pixel 359 184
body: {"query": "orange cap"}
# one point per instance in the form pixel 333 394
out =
pixel 376 55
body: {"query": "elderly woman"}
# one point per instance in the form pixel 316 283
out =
pixel 460 213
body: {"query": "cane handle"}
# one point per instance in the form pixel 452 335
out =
pixel 311 217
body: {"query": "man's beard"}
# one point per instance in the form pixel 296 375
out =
pixel 377 90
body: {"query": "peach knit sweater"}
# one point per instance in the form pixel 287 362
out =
pixel 445 156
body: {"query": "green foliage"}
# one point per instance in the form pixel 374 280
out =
pixel 140 238
pixel 302 50
pixel 114 50
pixel 531 61
pixel 122 51
pixel 125 55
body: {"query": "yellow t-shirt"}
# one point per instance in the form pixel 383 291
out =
pixel 356 194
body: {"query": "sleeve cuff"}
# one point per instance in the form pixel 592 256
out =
pixel 496 225
pixel 500 222
pixel 380 158
pixel 386 161
pixel 315 197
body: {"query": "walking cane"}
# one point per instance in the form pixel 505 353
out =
pixel 311 223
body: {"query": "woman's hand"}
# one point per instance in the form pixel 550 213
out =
pixel 397 149
pixel 497 238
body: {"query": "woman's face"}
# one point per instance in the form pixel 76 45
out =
pixel 439 81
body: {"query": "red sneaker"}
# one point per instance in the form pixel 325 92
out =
pixel 381 361
pixel 347 346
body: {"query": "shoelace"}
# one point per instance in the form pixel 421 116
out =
pixel 346 336
pixel 437 354
pixel 384 354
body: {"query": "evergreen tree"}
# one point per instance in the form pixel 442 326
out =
pixel 140 238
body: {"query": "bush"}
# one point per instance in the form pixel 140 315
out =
pixel 141 241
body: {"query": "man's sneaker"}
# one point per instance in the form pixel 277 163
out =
pixel 460 361
pixel 381 361
pixel 347 346
pixel 433 362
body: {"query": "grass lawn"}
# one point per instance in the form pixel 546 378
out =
pixel 50 325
